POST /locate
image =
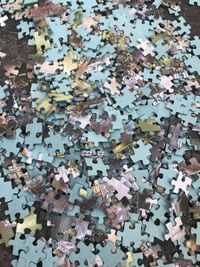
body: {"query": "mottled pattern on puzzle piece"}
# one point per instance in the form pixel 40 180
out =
pixel 12 144
pixel 109 258
pixel 195 231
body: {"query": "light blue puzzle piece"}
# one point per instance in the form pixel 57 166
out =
pixel 18 244
pixel 35 252
pixel 33 130
pixel 25 28
pixel 95 138
pixel 56 143
pixel 85 254
pixel 181 26
pixel 109 259
pixel 97 213
pixel 193 63
pixel 141 153
pixel 40 153
pixel 194 2
pixel 17 205
pixel 125 99
pixel 154 230
pixel 98 165
pixel 167 176
pixel 161 49
pixel 130 235
pixel 2 91
pixel 29 2
pixel 49 260
pixel 6 190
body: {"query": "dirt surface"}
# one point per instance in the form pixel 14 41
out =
pixel 191 15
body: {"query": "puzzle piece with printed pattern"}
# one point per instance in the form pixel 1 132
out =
pixel 6 232
pixel 149 125
pixel 29 222
pixel 181 183
pixel 108 257
pixel 12 144
pixel 59 203
pixel 175 231
pixel 119 186
pixel 137 259
pixel 195 231
pixel 40 153
pixel 146 48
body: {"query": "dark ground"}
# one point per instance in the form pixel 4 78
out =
pixel 191 15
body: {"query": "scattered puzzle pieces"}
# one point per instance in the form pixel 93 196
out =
pixel 99 133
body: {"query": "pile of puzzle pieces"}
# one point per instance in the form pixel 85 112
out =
pixel 100 135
